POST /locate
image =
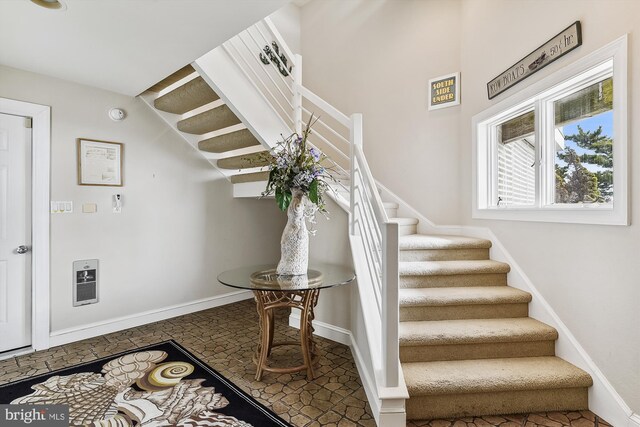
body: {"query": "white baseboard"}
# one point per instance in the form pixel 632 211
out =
pixel 388 411
pixel 634 420
pixel 65 336
pixel 387 414
pixel 15 353
pixel 324 330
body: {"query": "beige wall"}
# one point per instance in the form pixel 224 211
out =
pixel 287 21
pixel 179 225
pixel 589 274
pixel 331 245
pixel 375 57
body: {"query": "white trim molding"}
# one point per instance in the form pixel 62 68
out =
pixel 387 405
pixel 608 61
pixel 65 336
pixel 41 155
pixel 322 329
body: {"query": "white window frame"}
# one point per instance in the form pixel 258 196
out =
pixel 540 96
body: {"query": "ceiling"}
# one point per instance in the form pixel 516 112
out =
pixel 121 45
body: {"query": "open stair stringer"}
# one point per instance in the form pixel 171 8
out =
pixel 218 69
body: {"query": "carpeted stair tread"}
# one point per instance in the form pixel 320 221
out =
pixel 215 119
pixel 242 138
pixel 432 297
pixel 245 161
pixel 492 375
pixel 193 94
pixel 473 331
pixel 425 241
pixel 448 268
pixel 173 78
pixel 250 177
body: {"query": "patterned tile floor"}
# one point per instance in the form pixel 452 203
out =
pixel 225 337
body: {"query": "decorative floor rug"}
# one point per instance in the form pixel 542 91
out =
pixel 158 385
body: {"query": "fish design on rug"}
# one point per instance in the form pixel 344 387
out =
pixel 213 419
pixel 109 400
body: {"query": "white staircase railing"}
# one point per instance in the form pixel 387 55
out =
pixel 379 237
pixel 291 101
pixel 340 137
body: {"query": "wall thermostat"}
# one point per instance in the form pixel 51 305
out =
pixel 85 282
pixel 117 114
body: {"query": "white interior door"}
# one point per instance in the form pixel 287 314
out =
pixel 15 232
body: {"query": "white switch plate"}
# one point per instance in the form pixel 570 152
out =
pixel 61 207
pixel 89 208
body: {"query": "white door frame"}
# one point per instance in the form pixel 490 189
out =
pixel 40 180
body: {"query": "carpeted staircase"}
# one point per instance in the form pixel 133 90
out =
pixel 467 346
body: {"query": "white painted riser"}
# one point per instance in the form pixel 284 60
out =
pixel 405 230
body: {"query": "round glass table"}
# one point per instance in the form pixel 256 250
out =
pixel 273 291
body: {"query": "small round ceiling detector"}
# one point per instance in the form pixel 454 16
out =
pixel 51 4
pixel 117 114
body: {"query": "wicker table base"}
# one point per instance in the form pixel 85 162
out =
pixel 267 302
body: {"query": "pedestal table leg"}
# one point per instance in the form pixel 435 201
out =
pixel 264 347
pixel 309 301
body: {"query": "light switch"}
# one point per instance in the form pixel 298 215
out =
pixel 89 208
pixel 61 207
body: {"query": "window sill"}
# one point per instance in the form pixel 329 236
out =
pixel 595 215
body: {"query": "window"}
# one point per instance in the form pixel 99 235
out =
pixel 557 150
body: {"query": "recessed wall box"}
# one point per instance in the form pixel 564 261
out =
pixel 85 282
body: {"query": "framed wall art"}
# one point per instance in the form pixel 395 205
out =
pixel 444 91
pixel 99 162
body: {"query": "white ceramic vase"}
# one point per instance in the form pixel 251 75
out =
pixel 294 244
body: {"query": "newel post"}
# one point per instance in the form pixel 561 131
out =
pixel 390 304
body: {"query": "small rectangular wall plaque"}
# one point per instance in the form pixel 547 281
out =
pixel 563 43
pixel 444 91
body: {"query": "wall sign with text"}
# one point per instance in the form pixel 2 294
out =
pixel 444 91
pixel 563 43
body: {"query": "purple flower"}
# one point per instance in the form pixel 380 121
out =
pixel 315 154
pixel 298 140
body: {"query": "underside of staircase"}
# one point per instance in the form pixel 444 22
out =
pixel 187 102
pixel 467 345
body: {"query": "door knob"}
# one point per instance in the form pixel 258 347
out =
pixel 22 249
